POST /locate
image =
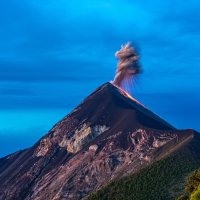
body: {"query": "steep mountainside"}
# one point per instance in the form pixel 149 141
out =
pixel 162 180
pixel 109 135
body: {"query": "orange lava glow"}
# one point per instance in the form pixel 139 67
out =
pixel 124 93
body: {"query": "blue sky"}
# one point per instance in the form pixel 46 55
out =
pixel 54 53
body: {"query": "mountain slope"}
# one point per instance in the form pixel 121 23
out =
pixel 162 180
pixel 108 136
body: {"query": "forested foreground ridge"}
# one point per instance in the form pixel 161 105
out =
pixel 163 180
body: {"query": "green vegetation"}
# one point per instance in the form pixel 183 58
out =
pixel 162 180
pixel 192 188
pixel 195 195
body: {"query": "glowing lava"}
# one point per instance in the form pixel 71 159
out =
pixel 126 94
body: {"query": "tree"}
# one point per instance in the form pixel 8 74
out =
pixel 193 181
pixel 195 195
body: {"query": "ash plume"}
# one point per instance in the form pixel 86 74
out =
pixel 127 67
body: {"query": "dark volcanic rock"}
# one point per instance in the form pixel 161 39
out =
pixel 109 135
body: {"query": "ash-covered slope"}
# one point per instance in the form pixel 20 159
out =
pixel 109 135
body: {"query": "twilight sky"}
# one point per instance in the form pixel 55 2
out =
pixel 53 53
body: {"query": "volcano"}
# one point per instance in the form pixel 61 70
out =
pixel 110 135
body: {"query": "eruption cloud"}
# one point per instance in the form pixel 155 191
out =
pixel 127 67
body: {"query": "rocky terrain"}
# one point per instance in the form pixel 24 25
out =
pixel 108 136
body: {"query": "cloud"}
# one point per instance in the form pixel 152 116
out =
pixel 179 109
pixel 15 140
pixel 44 95
pixel 22 128
pixel 15 91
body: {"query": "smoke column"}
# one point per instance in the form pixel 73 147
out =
pixel 127 66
